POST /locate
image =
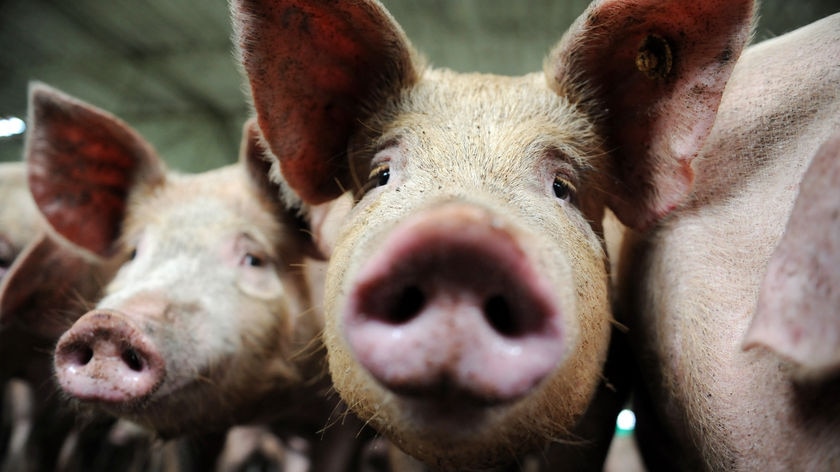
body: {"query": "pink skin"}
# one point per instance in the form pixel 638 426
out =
pixel 451 302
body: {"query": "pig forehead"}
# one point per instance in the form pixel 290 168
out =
pixel 488 111
pixel 181 211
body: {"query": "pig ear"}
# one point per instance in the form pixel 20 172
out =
pixel 653 73
pixel 82 164
pixel 797 314
pixel 45 286
pixel 263 173
pixel 315 68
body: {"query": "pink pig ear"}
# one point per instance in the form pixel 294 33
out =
pixel 45 285
pixel 315 68
pixel 653 72
pixel 82 164
pixel 797 315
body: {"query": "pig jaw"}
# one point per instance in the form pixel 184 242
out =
pixel 467 414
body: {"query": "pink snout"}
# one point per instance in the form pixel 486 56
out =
pixel 105 358
pixel 451 306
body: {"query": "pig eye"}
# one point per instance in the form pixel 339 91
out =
pixel 252 260
pixel 563 189
pixel 133 254
pixel 379 176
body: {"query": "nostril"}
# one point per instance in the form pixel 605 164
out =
pixel 84 355
pixel 404 306
pixel 498 313
pixel 77 355
pixel 132 359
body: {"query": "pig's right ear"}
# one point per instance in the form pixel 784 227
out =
pixel 83 164
pixel 796 317
pixel 45 285
pixel 315 68
pixel 652 73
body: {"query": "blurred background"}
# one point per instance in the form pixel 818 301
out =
pixel 166 66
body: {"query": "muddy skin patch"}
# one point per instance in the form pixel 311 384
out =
pixel 655 58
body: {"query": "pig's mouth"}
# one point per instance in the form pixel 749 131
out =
pixel 453 317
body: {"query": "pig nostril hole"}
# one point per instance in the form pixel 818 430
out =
pixel 407 306
pixel 83 355
pixel 132 360
pixel 498 313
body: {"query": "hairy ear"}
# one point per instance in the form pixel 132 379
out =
pixel 83 164
pixel 652 72
pixel 797 315
pixel 316 68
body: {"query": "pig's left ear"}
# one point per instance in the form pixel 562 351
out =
pixel 652 73
pixel 83 163
pixel 264 173
pixel 797 315
pixel 45 285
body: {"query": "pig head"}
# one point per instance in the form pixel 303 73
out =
pixel 691 285
pixel 466 301
pixel 207 313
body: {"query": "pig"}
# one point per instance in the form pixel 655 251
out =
pixel 690 285
pixel 466 301
pixel 40 284
pixel 207 316
pixel 19 222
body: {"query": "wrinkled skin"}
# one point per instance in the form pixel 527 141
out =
pixel 692 283
pixel 466 300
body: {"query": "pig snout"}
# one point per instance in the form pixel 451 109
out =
pixel 451 306
pixel 105 358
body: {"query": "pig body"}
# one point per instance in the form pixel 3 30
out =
pixel 691 284
pixel 19 220
pixel 466 301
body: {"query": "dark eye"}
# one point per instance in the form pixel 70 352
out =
pixel 563 189
pixel 252 260
pixel 379 176
pixel 132 254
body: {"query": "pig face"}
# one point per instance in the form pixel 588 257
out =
pixel 207 313
pixel 466 303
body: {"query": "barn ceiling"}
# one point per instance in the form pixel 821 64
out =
pixel 166 66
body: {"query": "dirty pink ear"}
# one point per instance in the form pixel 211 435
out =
pixel 653 73
pixel 315 69
pixel 82 164
pixel 46 287
pixel 797 315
